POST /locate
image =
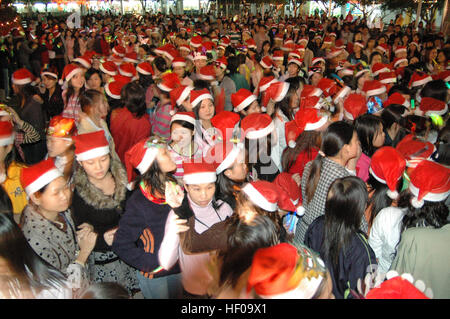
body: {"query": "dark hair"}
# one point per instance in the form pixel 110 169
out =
pixel 334 138
pixel 367 126
pixel 431 214
pixel 103 290
pixel 233 64
pixel 379 198
pixel 184 124
pixel 133 97
pixel 91 72
pixel 145 80
pixel 244 239
pixel 30 270
pixel 6 206
pixel 160 64
pixel 25 92
pixel 436 89
pixel 344 211
pixel 89 98
pixel 373 54
pixel 285 104
pixel 306 142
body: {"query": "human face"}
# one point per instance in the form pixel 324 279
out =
pixel 238 171
pixel 199 63
pixel 201 194
pixel 252 108
pixel 49 82
pixel 378 139
pixel 441 57
pixel 352 149
pixel 187 105
pixel 94 81
pixel 180 135
pixel 316 78
pixel 376 59
pixel 56 197
pixel 164 160
pixel 179 70
pixel 97 168
pixel 206 111
pixel 78 80
pixel 363 79
pixel 101 109
pixel 57 146
pixel 292 69
pixel 433 54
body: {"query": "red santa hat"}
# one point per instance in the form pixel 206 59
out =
pixel 84 60
pixel 327 40
pixel 310 102
pixel 328 86
pixel 310 90
pixel 108 67
pixel 276 92
pixel 199 55
pixel 387 167
pixel 131 57
pixel 179 62
pixel 119 50
pixel 429 181
pixel 141 156
pixel 400 49
pixel 316 60
pixel 169 81
pixel 90 145
pixel 197 96
pixel 114 89
pixel 145 68
pixel 355 106
pixel 277 273
pixel 397 61
pixel 22 77
pixel 35 177
pixel 225 122
pixel 263 194
pixel 196 172
pixel 127 69
pixel 278 55
pixel 241 99
pixel 265 82
pixel 7 134
pixel 342 94
pixel 224 154
pixel 397 288
pixel 251 44
pixel 257 125
pixel 69 71
pixel 387 77
pixel 179 95
pixel 429 106
pixel 306 119
pixel 266 62
pixel 171 54
pixel 334 52
pixel 196 41
pixel 207 73
pixel 184 47
pixel 418 79
pixel 378 68
pixel 373 87
pixel 222 62
pixel 285 182
pixel 383 47
pixel 50 71
pixel 396 98
pixel 415 150
pixel 278 37
pixel 295 61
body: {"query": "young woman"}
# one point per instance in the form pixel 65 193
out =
pixel 371 137
pixel 30 111
pixel 141 228
pixel 182 146
pixel 94 80
pixel 52 96
pixel 74 81
pixel 99 200
pixel 48 226
pixel 202 211
pixel 339 152
pixel 392 116
pixel 204 110
pixel 24 274
pixel 425 228
pixel 60 144
pixel 131 123
pixel 338 239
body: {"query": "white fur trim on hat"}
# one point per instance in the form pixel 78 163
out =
pixel 431 197
pixel 305 290
pixel 93 153
pixel 315 126
pixel 50 74
pixel 200 178
pixel 183 95
pixel 43 180
pixel 380 90
pixel 342 93
pixel 252 135
pixel 228 161
pixel 201 98
pixel 246 102
pixel 117 97
pixel 183 117
pixel 142 71
pixel 22 81
pixel 283 92
pixel 258 199
pixel 147 160
pixel 422 82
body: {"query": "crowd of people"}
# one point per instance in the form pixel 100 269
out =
pixel 184 157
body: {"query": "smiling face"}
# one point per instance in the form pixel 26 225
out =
pixel 78 80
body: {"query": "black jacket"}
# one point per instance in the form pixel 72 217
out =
pixel 353 260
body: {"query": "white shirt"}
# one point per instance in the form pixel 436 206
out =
pixel 385 235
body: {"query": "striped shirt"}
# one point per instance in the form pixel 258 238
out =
pixel 72 107
pixel 179 159
pixel 235 37
pixel 160 120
